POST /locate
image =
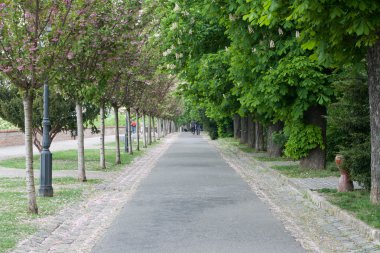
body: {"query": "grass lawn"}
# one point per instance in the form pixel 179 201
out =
pixel 16 223
pixel 296 172
pixel 67 160
pixel 273 159
pixel 236 143
pixel 357 202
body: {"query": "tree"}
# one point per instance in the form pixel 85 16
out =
pixel 62 113
pixel 338 32
pixel 27 57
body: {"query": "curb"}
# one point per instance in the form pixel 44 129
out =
pixel 370 232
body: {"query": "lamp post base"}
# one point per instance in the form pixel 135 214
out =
pixel 46 189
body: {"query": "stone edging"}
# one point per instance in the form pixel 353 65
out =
pixel 77 227
pixel 320 201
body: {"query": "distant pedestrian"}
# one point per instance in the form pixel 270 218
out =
pixel 133 124
pixel 192 125
pixel 198 128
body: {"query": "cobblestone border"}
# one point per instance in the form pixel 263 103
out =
pixel 322 202
pixel 78 227
pixel 314 227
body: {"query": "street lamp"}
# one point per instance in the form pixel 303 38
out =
pixel 46 189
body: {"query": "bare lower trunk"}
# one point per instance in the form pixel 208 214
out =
pixel 237 128
pixel 137 131
pixel 316 159
pixel 80 132
pixel 130 149
pixel 117 135
pixel 259 137
pixel 251 132
pixel 144 131
pixel 30 188
pixel 274 149
pixel 244 128
pixel 154 129
pixel 158 128
pixel 163 128
pixel 373 61
pixel 102 134
pixel 149 130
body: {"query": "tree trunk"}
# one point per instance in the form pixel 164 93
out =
pixel 237 126
pixel 274 150
pixel 154 129
pixel 149 130
pixel 117 135
pixel 158 128
pixel 164 128
pixel 259 137
pixel 130 144
pixel 80 132
pixel 251 132
pixel 144 132
pixel 30 188
pixel 244 132
pixel 373 61
pixel 102 134
pixel 137 131
pixel 316 159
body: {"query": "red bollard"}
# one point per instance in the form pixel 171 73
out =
pixel 345 182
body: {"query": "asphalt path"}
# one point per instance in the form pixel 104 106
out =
pixel 194 202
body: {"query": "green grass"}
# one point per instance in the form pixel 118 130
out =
pixel 16 223
pixel 67 160
pixel 243 147
pixel 357 202
pixel 295 171
pixel 273 159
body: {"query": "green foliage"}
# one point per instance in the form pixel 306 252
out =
pixel 337 31
pixel 279 138
pixel 61 111
pixel 348 124
pixel 5 125
pixel 302 139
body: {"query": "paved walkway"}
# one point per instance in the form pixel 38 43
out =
pixel 194 202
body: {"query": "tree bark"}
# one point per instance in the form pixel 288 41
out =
pixel 144 131
pixel 251 132
pixel 102 134
pixel 130 144
pixel 137 131
pixel 80 132
pixel 149 130
pixel 259 137
pixel 274 150
pixel 373 61
pixel 154 129
pixel 244 132
pixel 237 126
pixel 158 128
pixel 30 187
pixel 316 159
pixel 117 135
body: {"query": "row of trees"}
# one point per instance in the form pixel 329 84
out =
pixel 91 54
pixel 276 65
